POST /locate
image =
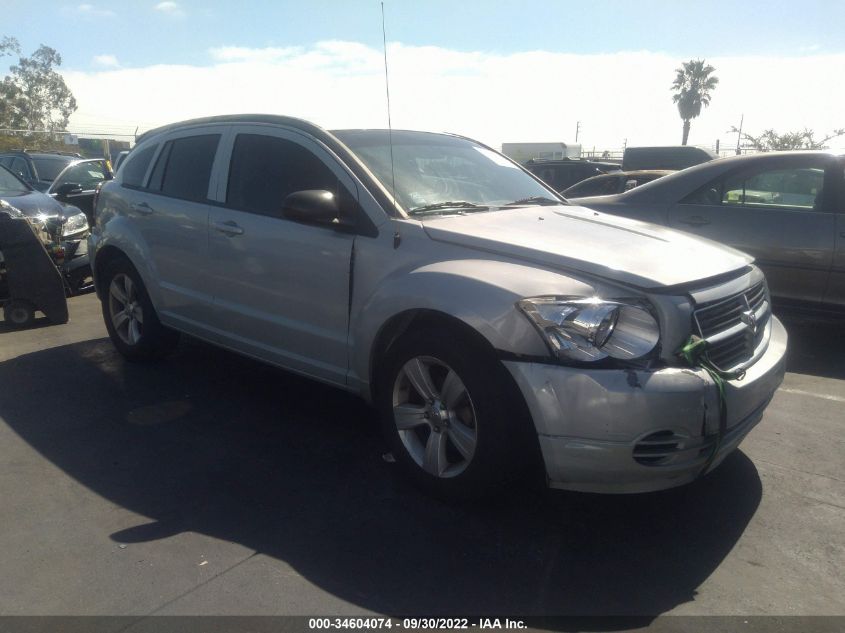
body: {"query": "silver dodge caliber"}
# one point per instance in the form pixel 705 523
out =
pixel 493 325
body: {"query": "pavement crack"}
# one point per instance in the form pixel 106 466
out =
pixel 189 592
pixel 798 470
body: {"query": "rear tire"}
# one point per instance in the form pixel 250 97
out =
pixel 130 317
pixel 18 313
pixel 452 415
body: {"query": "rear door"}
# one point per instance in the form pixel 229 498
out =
pixel 836 289
pixel 170 212
pixel 281 288
pixel 780 213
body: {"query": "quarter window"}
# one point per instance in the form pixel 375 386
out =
pixel 186 168
pixel 266 169
pixel 136 167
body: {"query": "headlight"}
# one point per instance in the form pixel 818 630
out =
pixel 75 223
pixel 592 329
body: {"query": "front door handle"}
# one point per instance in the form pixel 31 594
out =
pixel 695 220
pixel 229 228
pixel 142 208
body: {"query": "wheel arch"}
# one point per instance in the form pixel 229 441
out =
pixel 419 318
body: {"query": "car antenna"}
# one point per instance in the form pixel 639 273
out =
pixel 389 123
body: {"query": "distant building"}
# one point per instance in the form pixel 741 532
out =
pixel 522 152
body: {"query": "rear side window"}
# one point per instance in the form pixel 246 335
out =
pixel 136 166
pixel 265 169
pixel 186 169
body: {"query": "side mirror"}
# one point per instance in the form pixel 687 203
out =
pixel 314 206
pixel 630 184
pixel 67 188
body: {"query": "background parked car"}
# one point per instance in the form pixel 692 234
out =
pixel 65 223
pixel 78 182
pixel 669 157
pixel 616 182
pixel 787 209
pixel 32 203
pixel 563 173
pixel 37 169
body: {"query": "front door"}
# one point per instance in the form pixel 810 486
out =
pixel 281 288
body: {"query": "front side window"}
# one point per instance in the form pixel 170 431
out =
pixel 86 175
pixel 434 169
pixel 186 167
pixel 783 187
pixel 794 188
pixel 266 169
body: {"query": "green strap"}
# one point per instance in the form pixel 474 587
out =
pixel 694 352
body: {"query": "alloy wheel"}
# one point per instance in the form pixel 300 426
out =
pixel 434 416
pixel 125 310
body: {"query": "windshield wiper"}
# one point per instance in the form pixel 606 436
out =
pixel 449 204
pixel 539 200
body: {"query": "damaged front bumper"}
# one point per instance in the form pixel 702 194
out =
pixel 621 431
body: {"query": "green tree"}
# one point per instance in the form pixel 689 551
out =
pixel 771 141
pixel 693 84
pixel 34 96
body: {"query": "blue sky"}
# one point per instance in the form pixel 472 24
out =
pixel 137 34
pixel 496 71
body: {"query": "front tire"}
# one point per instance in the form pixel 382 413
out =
pixel 451 415
pixel 130 317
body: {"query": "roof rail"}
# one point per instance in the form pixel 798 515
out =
pixel 57 152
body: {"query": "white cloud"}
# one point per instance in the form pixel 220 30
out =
pixel 528 96
pixel 173 9
pixel 242 54
pixel 106 61
pixel 89 10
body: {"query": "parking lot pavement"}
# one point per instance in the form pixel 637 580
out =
pixel 211 484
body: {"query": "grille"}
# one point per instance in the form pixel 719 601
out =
pixel 734 327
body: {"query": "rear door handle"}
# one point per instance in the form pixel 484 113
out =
pixel 695 220
pixel 142 207
pixel 229 228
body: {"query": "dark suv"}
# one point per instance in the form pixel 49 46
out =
pixel 563 173
pixel 37 168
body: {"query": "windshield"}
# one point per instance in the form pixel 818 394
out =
pixel 436 172
pixel 10 184
pixel 49 168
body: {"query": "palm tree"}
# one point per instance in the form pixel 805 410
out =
pixel 693 85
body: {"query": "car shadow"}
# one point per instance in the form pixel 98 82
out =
pixel 211 442
pixel 816 345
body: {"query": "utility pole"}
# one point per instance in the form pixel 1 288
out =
pixel 739 134
pixel 577 130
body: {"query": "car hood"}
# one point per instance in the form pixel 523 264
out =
pixel 574 238
pixel 33 203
